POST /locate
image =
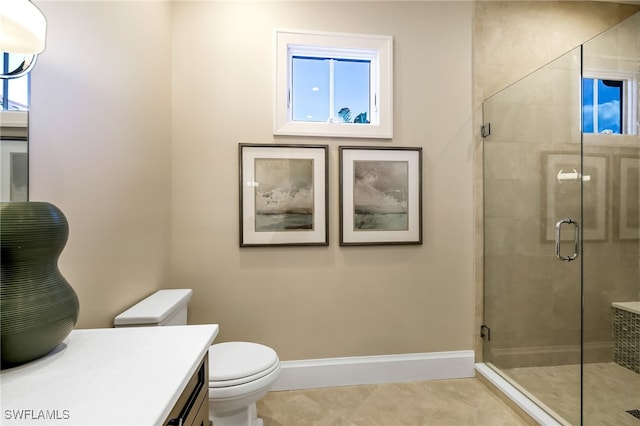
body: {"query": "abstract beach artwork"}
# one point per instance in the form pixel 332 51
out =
pixel 284 194
pixel 380 195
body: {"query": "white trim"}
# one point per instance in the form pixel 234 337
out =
pixel 518 398
pixel 366 370
pixel 381 47
pixel 14 118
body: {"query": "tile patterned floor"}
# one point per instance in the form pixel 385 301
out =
pixel 457 402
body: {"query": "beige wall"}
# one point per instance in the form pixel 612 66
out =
pixel 137 110
pixel 100 147
pixel 314 302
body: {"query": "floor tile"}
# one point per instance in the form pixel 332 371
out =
pixel 454 402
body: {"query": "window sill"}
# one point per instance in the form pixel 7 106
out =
pixel 338 130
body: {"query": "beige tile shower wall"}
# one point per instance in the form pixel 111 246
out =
pixel 526 279
pixel 100 147
pixel 315 302
pixel 514 38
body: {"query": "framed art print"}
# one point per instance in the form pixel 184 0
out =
pixel 380 195
pixel 283 195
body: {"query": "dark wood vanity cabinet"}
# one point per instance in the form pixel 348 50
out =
pixel 192 408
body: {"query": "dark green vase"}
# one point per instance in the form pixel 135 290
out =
pixel 38 307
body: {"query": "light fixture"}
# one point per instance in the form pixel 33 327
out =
pixel 22 32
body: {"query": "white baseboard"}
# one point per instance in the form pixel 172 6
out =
pixel 366 370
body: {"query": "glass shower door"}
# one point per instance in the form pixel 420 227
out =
pixel 532 214
pixel 611 145
pixel 562 231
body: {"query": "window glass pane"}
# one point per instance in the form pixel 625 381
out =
pixel 609 106
pixel 18 93
pixel 310 89
pixel 587 105
pixel 352 89
pixel 14 92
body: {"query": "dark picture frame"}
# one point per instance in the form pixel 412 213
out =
pixel 380 195
pixel 283 195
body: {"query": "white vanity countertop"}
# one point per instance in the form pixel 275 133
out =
pixel 628 306
pixel 111 376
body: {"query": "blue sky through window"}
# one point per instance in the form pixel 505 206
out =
pixel 352 87
pixel 311 88
pixel 609 106
pixel 16 90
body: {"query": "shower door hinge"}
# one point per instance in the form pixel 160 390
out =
pixel 485 332
pixel 485 130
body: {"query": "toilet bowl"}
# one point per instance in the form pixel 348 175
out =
pixel 240 373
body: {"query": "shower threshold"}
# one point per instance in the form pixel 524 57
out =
pixel 520 399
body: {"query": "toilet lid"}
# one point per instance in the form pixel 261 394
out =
pixel 231 361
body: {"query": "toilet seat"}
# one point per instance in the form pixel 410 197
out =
pixel 238 363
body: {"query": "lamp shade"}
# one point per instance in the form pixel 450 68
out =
pixel 22 27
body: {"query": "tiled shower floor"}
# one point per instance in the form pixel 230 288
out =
pixel 610 390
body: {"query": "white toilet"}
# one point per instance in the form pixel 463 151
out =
pixel 240 373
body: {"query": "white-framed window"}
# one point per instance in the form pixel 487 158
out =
pixel 333 84
pixel 610 103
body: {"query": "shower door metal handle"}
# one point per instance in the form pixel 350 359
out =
pixel 576 240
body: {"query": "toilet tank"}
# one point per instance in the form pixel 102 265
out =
pixel 164 307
